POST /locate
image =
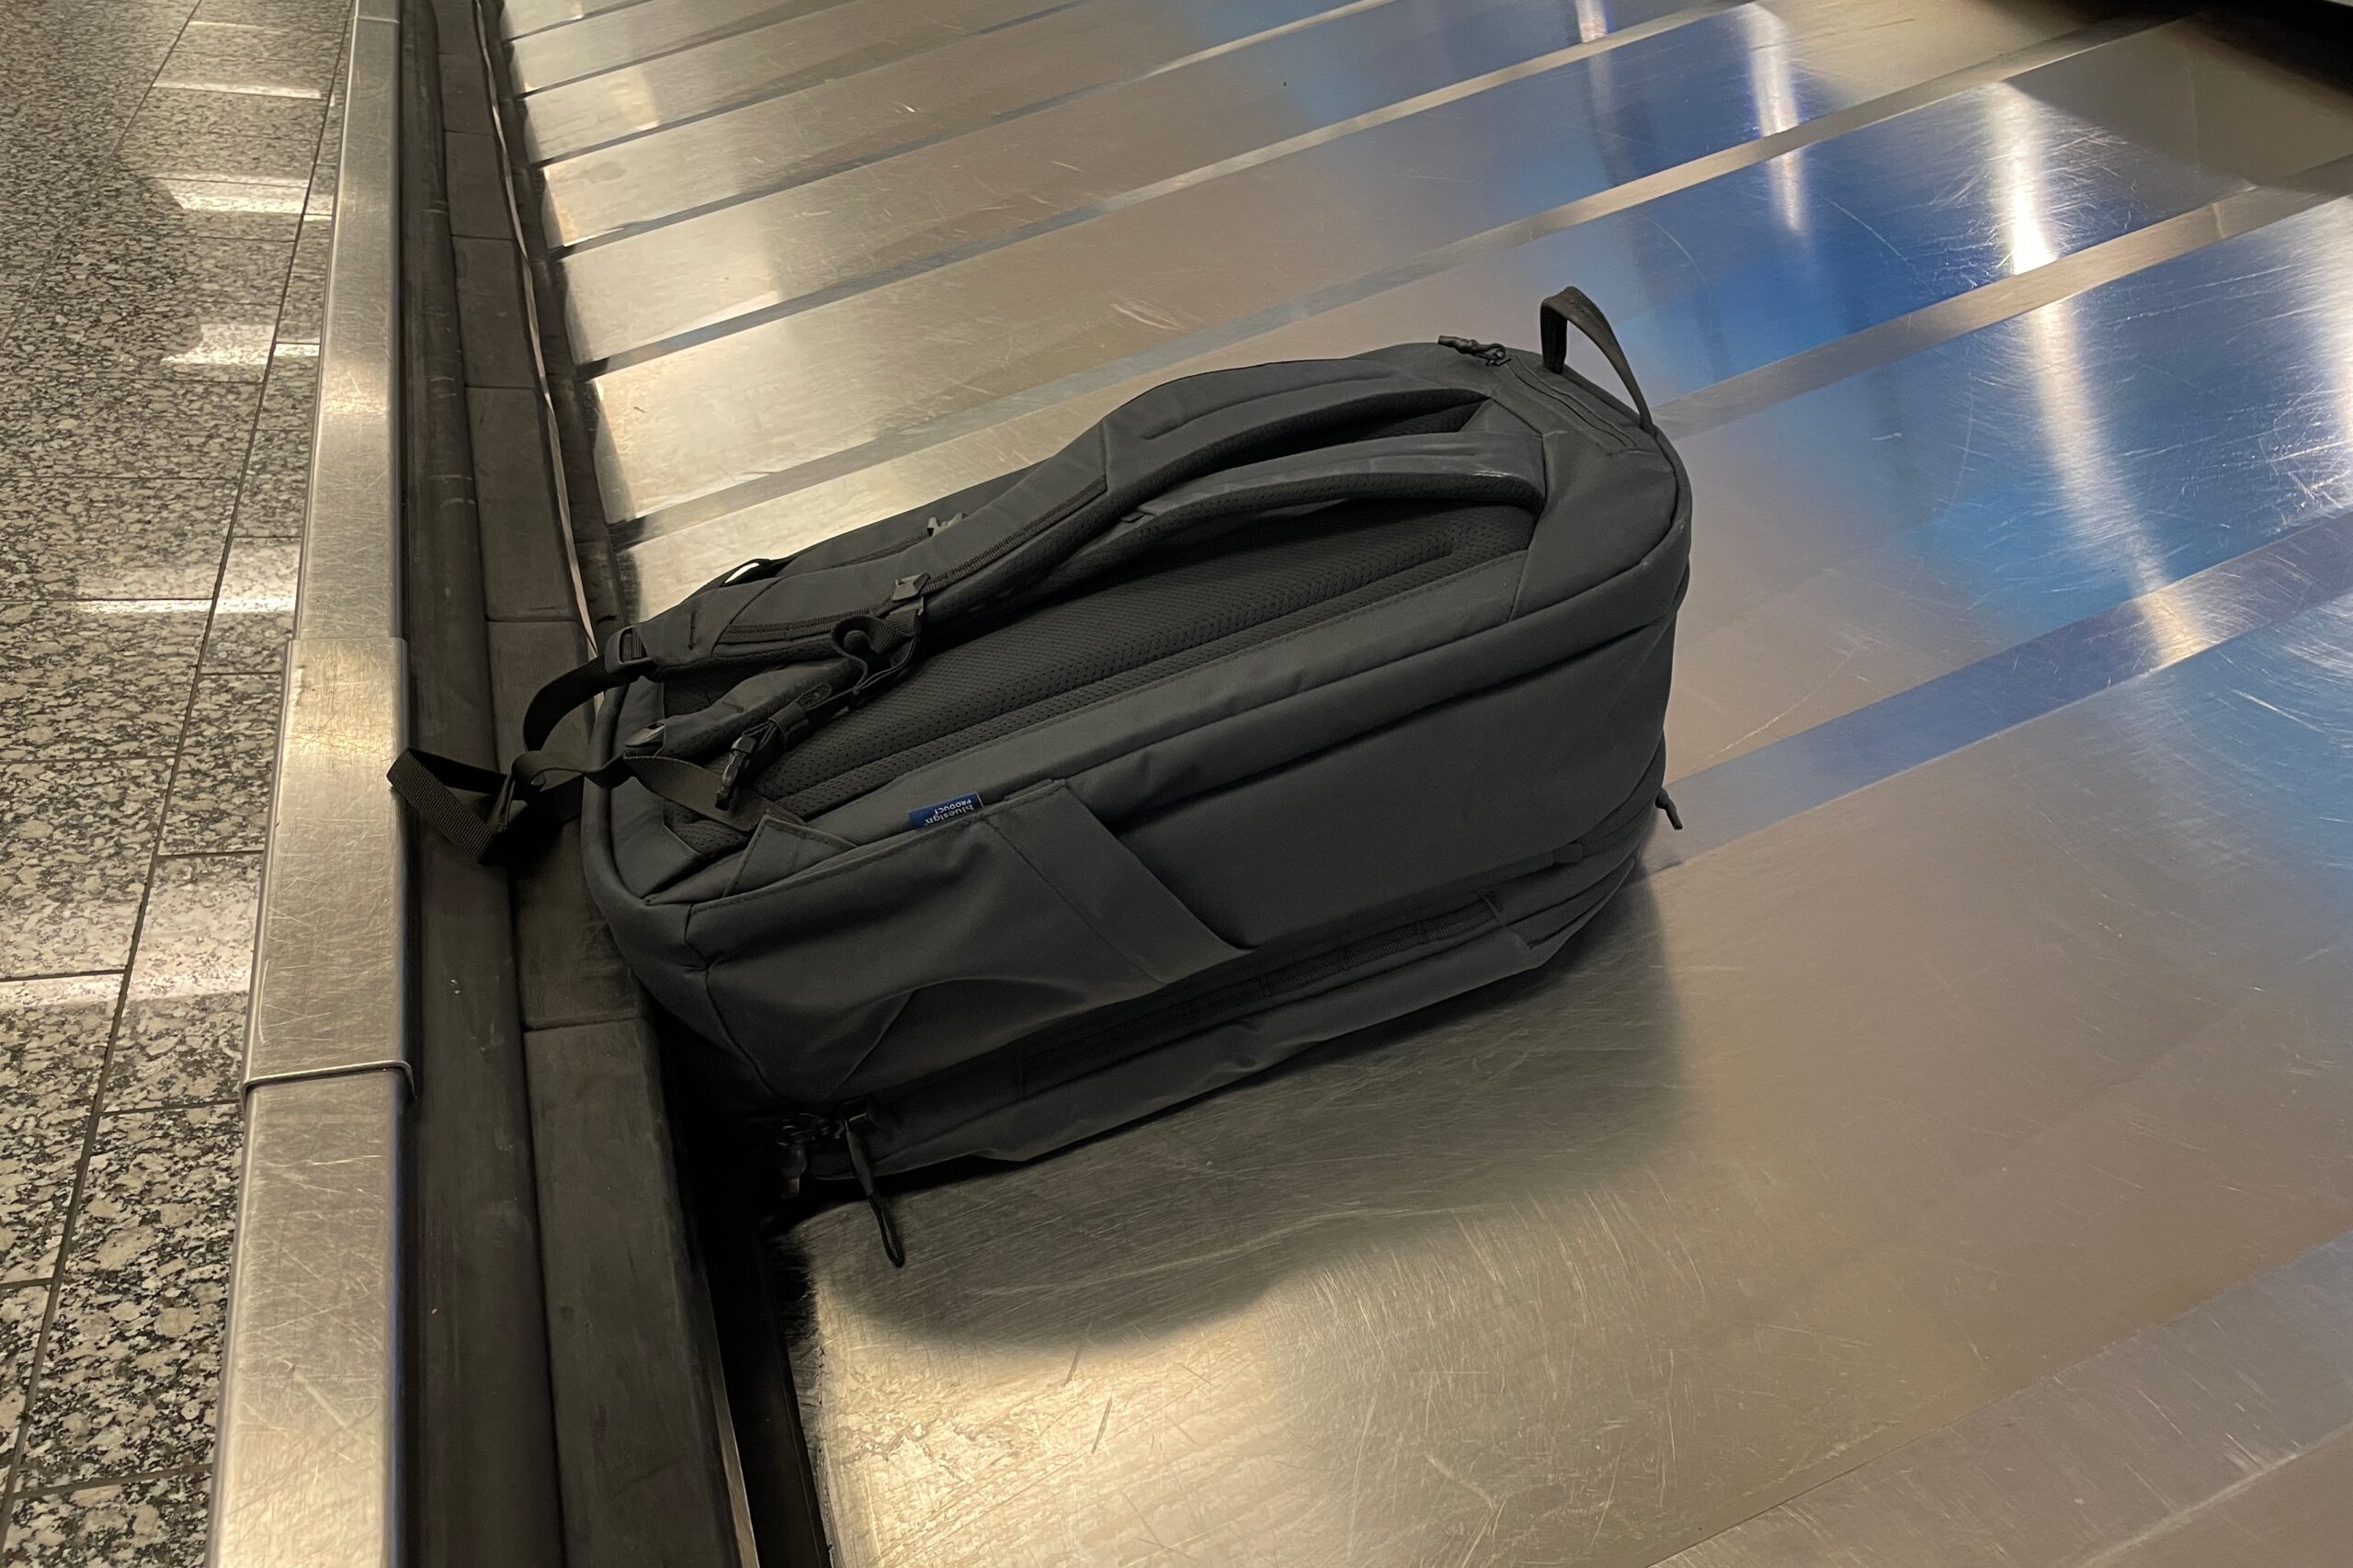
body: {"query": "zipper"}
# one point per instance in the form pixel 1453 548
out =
pixel 1616 439
pixel 1496 355
pixel 1206 1007
pixel 750 630
pixel 1211 1005
pixel 800 1132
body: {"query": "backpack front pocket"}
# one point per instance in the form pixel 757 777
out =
pixel 886 964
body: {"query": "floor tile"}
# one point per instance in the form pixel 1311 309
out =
pixel 109 60
pixel 26 247
pixel 160 1198
pixel 116 332
pixel 112 538
pixel 273 59
pixel 306 286
pixel 282 446
pixel 211 69
pixel 74 846
pixel 34 1190
pixel 289 399
pixel 209 156
pixel 97 678
pixel 52 1042
pixel 318 209
pixel 288 409
pixel 157 1521
pixel 134 211
pixel 220 799
pixel 21 1310
pixel 131 428
pixel 270 505
pixel 191 267
pixel 277 114
pixel 34 121
pixel 128 1384
pixel 254 614
pixel 244 42
pixel 129 1379
pixel 183 1034
pixel 44 189
pixel 334 137
pixel 300 16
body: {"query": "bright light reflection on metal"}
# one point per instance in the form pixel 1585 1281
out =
pixel 1773 88
pixel 2102 509
pixel 2021 174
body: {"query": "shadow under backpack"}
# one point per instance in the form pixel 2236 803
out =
pixel 1284 700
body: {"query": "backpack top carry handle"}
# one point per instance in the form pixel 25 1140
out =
pixel 1573 307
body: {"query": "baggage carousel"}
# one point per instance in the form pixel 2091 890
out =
pixel 1943 1152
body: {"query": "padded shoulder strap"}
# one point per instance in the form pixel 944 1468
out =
pixel 1500 467
pixel 1168 435
pixel 620 660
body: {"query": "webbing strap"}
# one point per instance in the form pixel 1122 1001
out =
pixel 537 792
pixel 430 784
pixel 539 795
pixel 1573 308
pixel 611 666
pixel 696 788
pixel 526 802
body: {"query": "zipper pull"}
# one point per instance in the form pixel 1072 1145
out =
pixel 792 1162
pixel 797 1131
pixel 1673 817
pixel 855 1145
pixel 794 1132
pixel 1492 352
pixel 740 753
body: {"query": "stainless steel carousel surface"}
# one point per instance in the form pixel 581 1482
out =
pixel 1944 1153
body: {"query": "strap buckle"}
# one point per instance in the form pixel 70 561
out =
pixel 884 639
pixel 742 752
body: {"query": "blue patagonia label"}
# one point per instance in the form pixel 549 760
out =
pixel 961 806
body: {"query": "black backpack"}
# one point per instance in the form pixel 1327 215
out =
pixel 1284 700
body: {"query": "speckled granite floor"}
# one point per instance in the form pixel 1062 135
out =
pixel 166 173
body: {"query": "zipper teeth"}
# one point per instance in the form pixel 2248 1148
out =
pixel 1592 421
pixel 1207 1008
pixel 1094 491
pixel 745 630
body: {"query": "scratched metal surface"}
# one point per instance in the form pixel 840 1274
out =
pixel 1902 1172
